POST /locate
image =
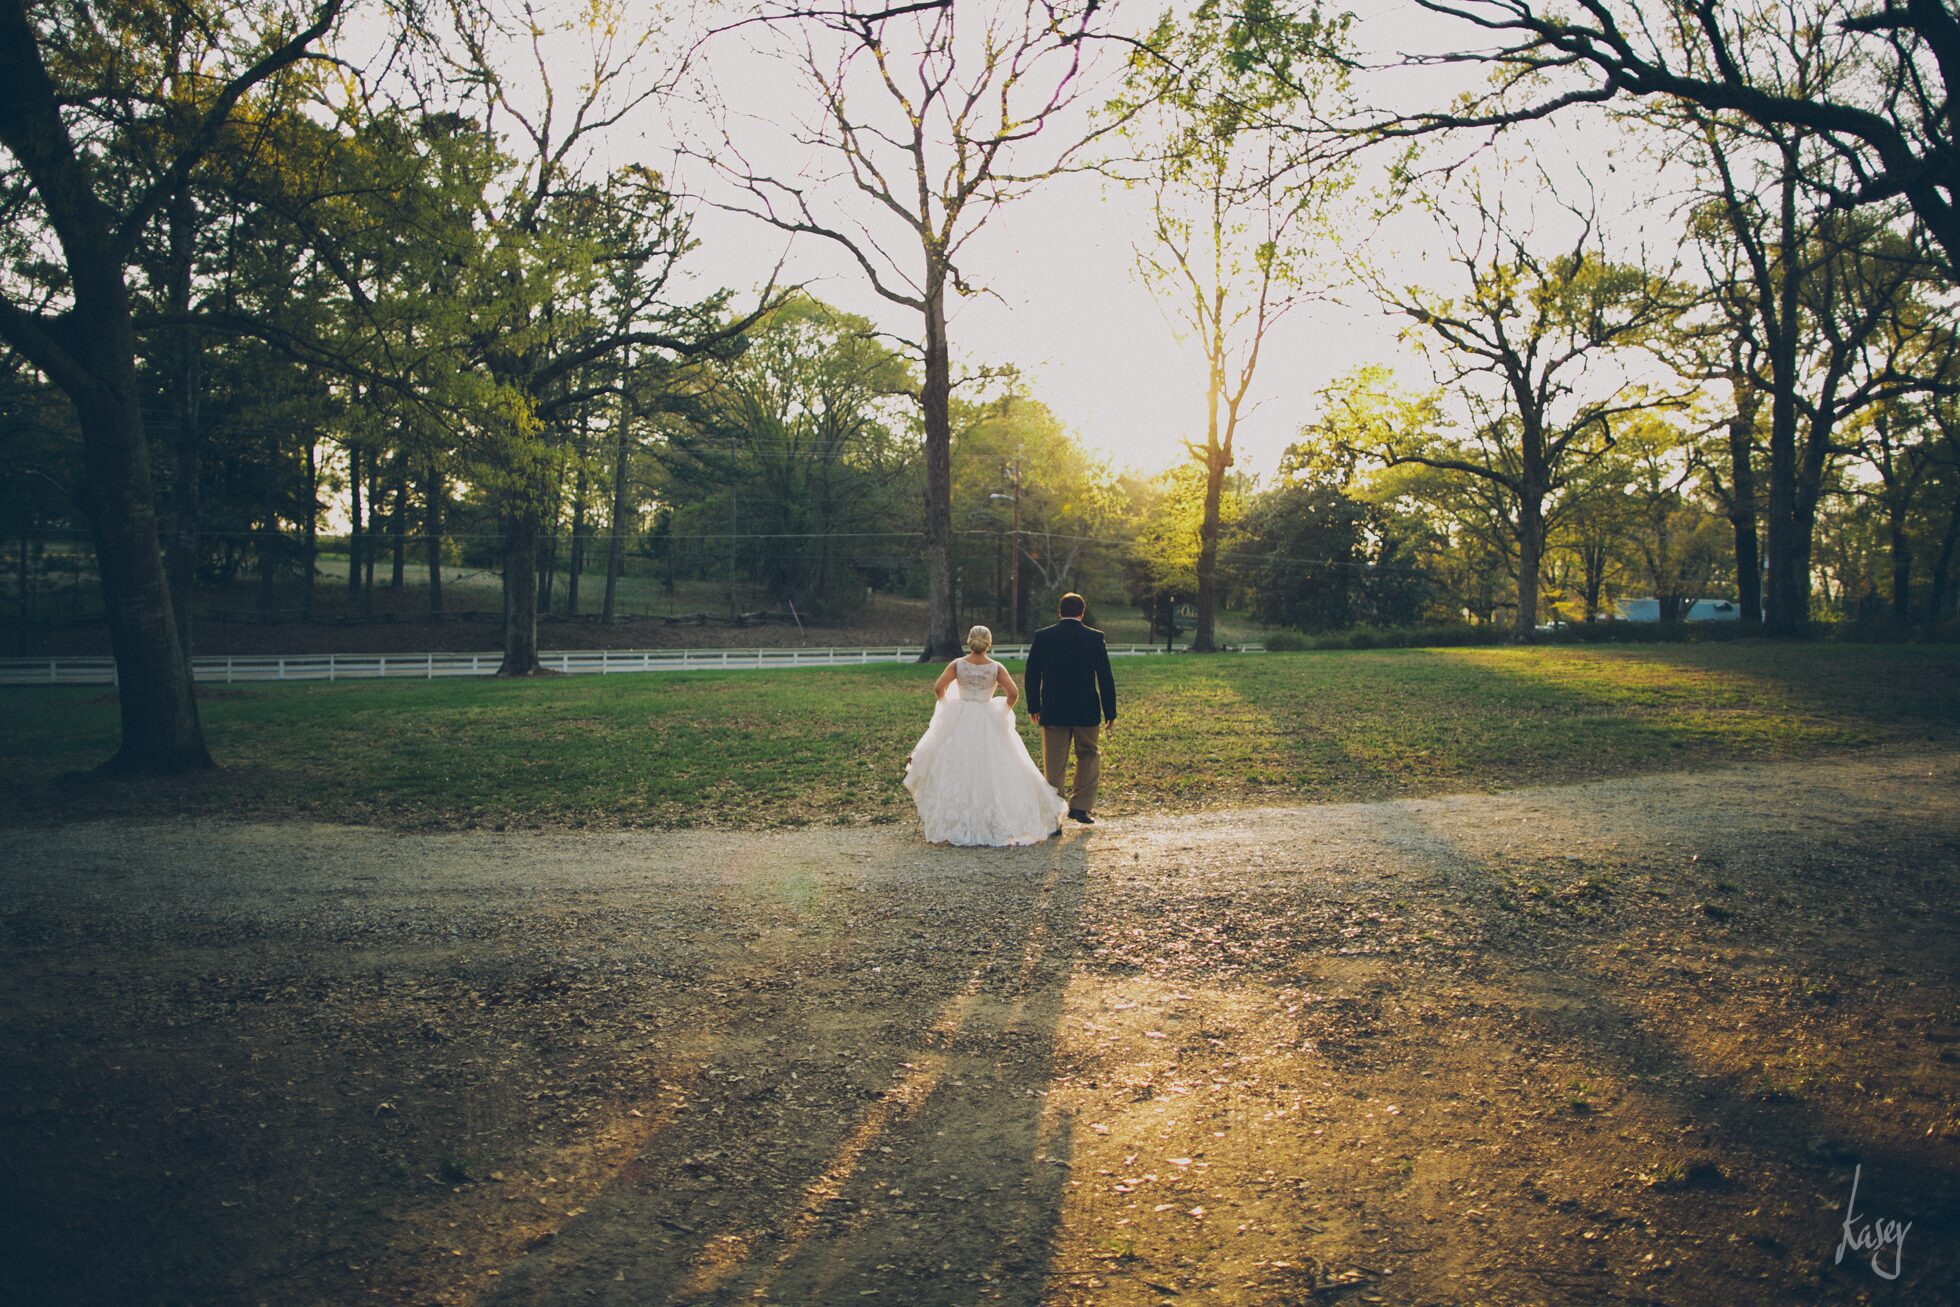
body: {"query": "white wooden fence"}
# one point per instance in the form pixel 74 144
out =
pixel 231 669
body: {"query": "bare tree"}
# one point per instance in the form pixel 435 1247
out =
pixel 927 129
pixel 1889 128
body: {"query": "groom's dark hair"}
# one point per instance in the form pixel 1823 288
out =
pixel 1073 605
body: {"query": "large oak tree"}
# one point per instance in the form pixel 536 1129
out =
pixel 101 134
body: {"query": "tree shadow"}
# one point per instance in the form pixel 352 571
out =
pixel 1774 1148
pixel 882 1129
pixel 1876 685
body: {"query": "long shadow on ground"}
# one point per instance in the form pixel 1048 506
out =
pixel 939 1178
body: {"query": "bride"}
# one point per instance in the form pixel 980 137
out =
pixel 970 774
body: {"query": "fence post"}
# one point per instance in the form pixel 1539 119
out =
pixel 383 673
pixel 432 665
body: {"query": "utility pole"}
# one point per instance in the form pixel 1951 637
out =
pixel 1012 467
pixel 1014 572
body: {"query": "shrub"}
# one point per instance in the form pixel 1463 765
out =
pixel 1615 631
pixel 1431 636
pixel 1448 635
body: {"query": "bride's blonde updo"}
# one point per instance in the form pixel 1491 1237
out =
pixel 979 639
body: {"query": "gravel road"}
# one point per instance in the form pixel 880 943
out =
pixel 1623 1041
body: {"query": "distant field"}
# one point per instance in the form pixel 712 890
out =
pixel 827 746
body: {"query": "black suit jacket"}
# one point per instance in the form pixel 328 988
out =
pixel 1068 682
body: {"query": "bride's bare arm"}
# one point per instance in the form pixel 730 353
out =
pixel 945 679
pixel 1008 688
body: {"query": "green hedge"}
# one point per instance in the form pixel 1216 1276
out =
pixel 1442 635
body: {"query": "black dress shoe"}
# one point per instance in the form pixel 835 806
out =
pixel 1077 814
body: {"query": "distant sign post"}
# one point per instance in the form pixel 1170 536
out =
pixel 1178 614
pixel 1173 611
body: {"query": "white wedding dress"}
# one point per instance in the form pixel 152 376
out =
pixel 971 775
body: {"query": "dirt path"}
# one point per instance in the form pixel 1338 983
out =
pixel 1619 1042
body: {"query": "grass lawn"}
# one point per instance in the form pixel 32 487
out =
pixel 827 746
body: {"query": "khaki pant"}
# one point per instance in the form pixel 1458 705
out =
pixel 1055 741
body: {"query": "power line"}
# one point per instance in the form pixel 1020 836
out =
pixel 385 540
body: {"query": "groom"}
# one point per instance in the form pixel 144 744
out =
pixel 1071 696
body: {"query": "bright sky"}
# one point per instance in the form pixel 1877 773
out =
pixel 1068 307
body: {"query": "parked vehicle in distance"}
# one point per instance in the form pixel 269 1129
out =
pixel 1699 610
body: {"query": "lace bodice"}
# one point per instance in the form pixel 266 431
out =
pixel 971 775
pixel 977 679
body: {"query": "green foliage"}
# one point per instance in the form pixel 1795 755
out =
pixel 1164 514
pixel 1442 635
pixel 1071 506
pixel 1316 557
pixel 810 432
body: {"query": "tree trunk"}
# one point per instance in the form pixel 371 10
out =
pixel 353 525
pixel 1943 571
pixel 370 542
pixel 1592 561
pixel 160 728
pixel 577 561
pixel 1531 553
pixel 432 493
pixel 186 467
pixel 1742 499
pixel 1895 521
pixel 1203 638
pixel 521 537
pixel 311 528
pixel 268 533
pixel 1787 602
pixel 616 545
pixel 935 394
pixel 1216 461
pixel 549 543
pixel 23 593
pixel 1783 607
pixel 398 524
pixel 90 352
